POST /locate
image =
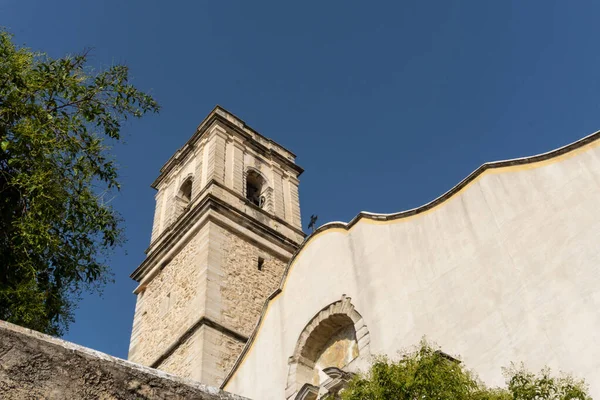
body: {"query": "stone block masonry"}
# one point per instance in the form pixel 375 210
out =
pixel 195 316
pixel 37 366
pixel 172 302
pixel 237 288
pixel 245 284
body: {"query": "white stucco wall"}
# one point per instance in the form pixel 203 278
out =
pixel 506 269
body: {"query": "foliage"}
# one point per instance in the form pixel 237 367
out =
pixel 427 373
pixel 57 120
pixel 524 385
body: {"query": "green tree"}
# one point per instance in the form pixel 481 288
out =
pixel 58 118
pixel 427 373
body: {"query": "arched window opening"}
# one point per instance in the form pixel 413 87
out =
pixel 255 188
pixel 183 198
pixel 185 192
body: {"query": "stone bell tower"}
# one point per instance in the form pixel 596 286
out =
pixel 227 220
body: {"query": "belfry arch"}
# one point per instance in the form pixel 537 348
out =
pixel 334 337
pixel 184 196
pixel 185 190
pixel 257 189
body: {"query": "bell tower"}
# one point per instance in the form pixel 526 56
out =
pixel 226 222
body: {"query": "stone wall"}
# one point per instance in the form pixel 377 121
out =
pixel 230 350
pixel 37 366
pixel 207 355
pixel 245 288
pixel 235 291
pixel 195 315
pixel 187 358
pixel 221 352
pixel 172 302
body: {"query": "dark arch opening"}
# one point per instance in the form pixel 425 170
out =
pixel 185 191
pixel 255 186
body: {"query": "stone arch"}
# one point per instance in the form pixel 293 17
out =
pixel 257 189
pixel 184 196
pixel 185 189
pixel 338 323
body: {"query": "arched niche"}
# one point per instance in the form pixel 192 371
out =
pixel 184 196
pixel 257 190
pixel 333 338
pixel 185 190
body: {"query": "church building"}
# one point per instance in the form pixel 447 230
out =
pixel 504 267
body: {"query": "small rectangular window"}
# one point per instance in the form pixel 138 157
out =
pixel 261 262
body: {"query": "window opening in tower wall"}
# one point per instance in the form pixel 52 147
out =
pixel 254 188
pixel 261 263
pixel 185 192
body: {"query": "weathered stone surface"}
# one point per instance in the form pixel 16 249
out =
pixel 173 301
pixel 236 291
pixel 230 350
pixel 187 358
pixel 37 366
pixel 245 288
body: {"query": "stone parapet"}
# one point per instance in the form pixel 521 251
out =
pixel 37 366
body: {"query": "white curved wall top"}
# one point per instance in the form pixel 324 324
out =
pixel 503 267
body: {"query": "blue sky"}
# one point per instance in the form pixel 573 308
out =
pixel 387 105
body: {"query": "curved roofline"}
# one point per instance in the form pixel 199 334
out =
pixel 403 214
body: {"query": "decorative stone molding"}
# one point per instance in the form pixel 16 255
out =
pixel 317 333
pixel 189 176
pixel 337 382
pixel 308 392
pixel 230 122
pixel 171 234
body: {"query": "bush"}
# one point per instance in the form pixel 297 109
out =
pixel 428 373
